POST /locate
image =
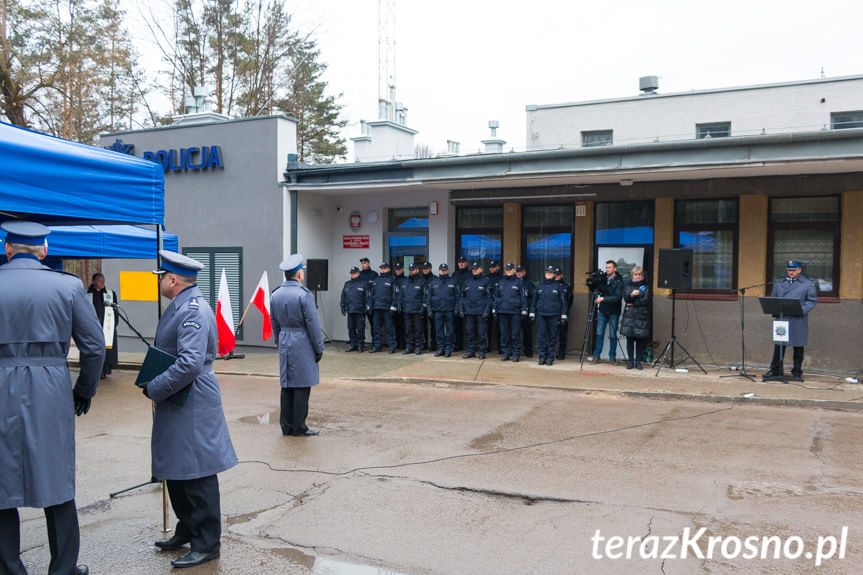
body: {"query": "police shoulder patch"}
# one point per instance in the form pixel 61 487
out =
pixel 193 302
pixel 190 323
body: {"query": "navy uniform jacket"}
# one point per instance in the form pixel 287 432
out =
pixel 40 311
pixel 441 294
pixel 412 294
pixel 381 292
pixel 354 296
pixel 529 291
pixel 399 282
pixel 461 275
pixel 801 288
pixel 368 275
pixel 509 296
pixel 297 329
pixel 567 294
pixel 189 441
pixel 549 299
pixel 475 296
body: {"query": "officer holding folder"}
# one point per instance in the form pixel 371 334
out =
pixel 190 443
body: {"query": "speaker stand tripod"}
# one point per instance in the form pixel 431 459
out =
pixel 742 372
pixel 588 329
pixel 327 338
pixel 672 343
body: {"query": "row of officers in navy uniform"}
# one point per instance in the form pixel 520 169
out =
pixel 466 310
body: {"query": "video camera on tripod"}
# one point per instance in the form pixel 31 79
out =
pixel 595 279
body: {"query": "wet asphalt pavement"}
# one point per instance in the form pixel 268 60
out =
pixel 426 469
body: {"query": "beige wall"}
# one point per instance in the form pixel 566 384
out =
pixel 512 232
pixel 582 246
pixel 663 236
pixel 752 244
pixel 851 255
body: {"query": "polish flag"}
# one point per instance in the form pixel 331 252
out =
pixel 261 300
pixel 225 318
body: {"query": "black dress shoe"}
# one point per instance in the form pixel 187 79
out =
pixel 505 357
pixel 175 542
pixel 308 433
pixel 419 352
pixel 392 350
pixel 193 558
pixel 438 353
pixel 447 354
pixel 468 355
pixel 481 355
pixel 374 350
pixel 515 359
pixel 82 569
pixel 407 351
pixel 549 362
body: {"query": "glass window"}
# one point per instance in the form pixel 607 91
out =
pixel 624 223
pixel 597 138
pixel 547 239
pixel 712 130
pixel 845 120
pixel 407 236
pixel 479 233
pixel 709 229
pixel 807 230
pixel 214 259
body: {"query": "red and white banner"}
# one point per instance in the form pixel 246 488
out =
pixel 225 318
pixel 261 300
pixel 355 242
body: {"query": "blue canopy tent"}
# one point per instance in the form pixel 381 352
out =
pixel 55 181
pixel 110 241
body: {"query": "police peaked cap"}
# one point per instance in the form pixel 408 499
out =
pixel 21 232
pixel 178 264
pixel 292 263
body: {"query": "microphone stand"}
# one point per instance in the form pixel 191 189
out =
pixel 742 298
pixel 121 313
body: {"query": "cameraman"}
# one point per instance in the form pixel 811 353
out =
pixel 608 298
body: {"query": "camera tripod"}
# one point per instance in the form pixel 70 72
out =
pixel 588 328
pixel 669 347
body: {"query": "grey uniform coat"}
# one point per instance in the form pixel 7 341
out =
pixel 298 331
pixel 801 288
pixel 40 311
pixel 189 441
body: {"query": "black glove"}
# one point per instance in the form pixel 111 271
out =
pixel 344 312
pixel 392 310
pixel 459 314
pixel 82 404
pixel 431 314
pixel 485 316
pixel 318 356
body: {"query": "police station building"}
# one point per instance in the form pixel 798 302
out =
pixel 746 178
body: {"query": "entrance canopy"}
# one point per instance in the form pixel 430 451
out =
pixel 101 242
pixel 55 181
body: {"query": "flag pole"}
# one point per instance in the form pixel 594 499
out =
pixel 248 305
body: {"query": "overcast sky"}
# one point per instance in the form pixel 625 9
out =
pixel 461 63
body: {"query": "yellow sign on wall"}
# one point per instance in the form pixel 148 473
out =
pixel 139 286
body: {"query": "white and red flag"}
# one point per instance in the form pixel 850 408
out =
pixel 261 300
pixel 225 318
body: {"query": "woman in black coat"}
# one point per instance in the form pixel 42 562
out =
pixel 635 324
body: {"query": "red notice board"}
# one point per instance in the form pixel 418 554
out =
pixel 354 242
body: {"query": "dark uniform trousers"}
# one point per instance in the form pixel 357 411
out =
pixel 477 333
pixel 356 329
pixel 527 336
pixel 414 337
pixel 458 332
pixel 546 336
pixel 429 332
pixel 776 365
pixel 63 539
pixel 197 505
pixel 562 330
pixel 443 322
pixel 382 320
pixel 400 330
pixel 294 410
pixel 510 334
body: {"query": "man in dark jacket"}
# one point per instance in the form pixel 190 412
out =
pixel 40 310
pixel 635 325
pixel 367 274
pixel 428 322
pixel 474 303
pixel 353 305
pixel 797 286
pixel 411 304
pixel 563 328
pixel 526 324
pixel 441 294
pixel 494 337
pixel 548 309
pixel 103 300
pixel 383 308
pixel 461 275
pixel 608 299
pixel 399 319
pixel 510 303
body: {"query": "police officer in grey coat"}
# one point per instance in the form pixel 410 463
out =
pixel 40 310
pixel 797 286
pixel 301 345
pixel 190 443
